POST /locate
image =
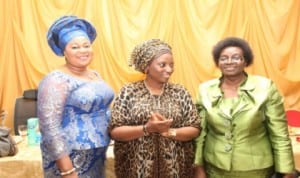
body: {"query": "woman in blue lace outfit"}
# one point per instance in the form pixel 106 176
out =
pixel 73 105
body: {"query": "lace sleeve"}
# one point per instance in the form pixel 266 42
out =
pixel 52 94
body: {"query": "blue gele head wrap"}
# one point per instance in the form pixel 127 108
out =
pixel 64 29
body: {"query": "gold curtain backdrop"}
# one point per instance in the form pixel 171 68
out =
pixel 191 27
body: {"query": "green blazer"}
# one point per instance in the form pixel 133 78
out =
pixel 247 133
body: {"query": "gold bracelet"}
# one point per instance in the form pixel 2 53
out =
pixel 172 133
pixel 68 172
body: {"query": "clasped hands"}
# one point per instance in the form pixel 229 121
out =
pixel 158 124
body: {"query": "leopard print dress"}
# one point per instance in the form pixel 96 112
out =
pixel 153 156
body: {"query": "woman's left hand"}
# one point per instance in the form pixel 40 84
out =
pixel 158 123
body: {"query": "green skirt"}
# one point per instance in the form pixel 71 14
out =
pixel 214 172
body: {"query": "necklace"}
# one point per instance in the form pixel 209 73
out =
pixel 156 90
pixel 91 75
pixel 80 73
pixel 156 105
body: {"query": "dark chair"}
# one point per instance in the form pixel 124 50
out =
pixel 25 108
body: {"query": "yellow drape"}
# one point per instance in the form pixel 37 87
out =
pixel 191 27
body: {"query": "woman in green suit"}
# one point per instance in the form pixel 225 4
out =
pixel 244 129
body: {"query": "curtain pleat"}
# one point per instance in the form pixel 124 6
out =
pixel 191 27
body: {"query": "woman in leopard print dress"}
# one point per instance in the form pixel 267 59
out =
pixel 153 121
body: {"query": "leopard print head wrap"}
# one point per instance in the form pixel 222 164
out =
pixel 145 52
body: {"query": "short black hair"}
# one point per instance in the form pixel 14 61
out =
pixel 236 42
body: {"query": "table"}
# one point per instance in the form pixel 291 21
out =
pixel 27 163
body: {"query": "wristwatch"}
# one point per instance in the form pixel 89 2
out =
pixel 172 133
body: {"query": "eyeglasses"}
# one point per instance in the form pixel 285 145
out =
pixel 234 58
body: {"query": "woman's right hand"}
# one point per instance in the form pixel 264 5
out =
pixel 199 172
pixel 65 165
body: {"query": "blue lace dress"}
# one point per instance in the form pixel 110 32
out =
pixel 74 116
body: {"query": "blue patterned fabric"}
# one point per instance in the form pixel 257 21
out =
pixel 66 28
pixel 89 163
pixel 74 116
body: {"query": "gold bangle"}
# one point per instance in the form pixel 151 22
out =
pixel 146 133
pixel 68 172
pixel 172 133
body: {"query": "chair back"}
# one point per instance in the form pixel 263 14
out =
pixel 3 115
pixel 25 108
